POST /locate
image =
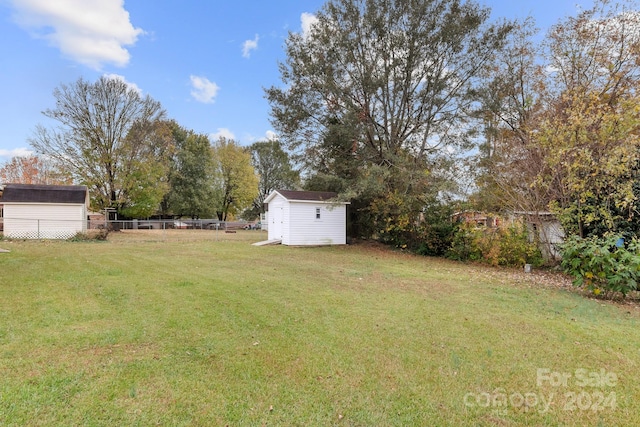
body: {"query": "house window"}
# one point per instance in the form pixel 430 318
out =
pixel 317 213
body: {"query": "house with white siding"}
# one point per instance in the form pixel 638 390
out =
pixel 44 211
pixel 302 218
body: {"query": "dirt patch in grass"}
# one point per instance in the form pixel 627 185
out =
pixel 92 358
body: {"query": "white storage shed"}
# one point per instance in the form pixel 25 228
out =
pixel 44 211
pixel 301 218
pixel 545 229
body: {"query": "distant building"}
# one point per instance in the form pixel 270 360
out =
pixel 44 211
pixel 477 218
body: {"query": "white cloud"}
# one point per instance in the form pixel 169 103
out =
pixel 268 136
pixel 307 20
pixel 203 89
pixel 131 86
pixel 16 152
pixel 249 45
pixel 222 132
pixel 90 32
pixel 271 136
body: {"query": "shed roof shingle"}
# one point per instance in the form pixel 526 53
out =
pixel 28 193
pixel 319 196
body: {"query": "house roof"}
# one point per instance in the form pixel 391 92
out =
pixel 532 213
pixel 28 193
pixel 305 196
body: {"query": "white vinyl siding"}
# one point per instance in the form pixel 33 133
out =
pixel 286 218
pixel 306 229
pixel 43 220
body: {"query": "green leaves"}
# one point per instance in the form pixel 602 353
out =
pixel 562 122
pixel 603 264
pixel 235 181
pixel 506 245
pixel 597 153
pixel 190 176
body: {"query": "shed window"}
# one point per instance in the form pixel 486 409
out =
pixel 317 213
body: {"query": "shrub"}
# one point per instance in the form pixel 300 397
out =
pixel 429 232
pixel 506 245
pixel 515 247
pixel 98 234
pixel 464 245
pixel 436 239
pixel 602 265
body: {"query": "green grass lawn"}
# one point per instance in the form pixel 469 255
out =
pixel 209 330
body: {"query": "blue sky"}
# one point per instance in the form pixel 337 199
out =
pixel 206 61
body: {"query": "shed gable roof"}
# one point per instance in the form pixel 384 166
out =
pixel 312 196
pixel 27 193
pixel 305 196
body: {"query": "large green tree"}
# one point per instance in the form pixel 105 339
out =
pixel 144 171
pixel 275 170
pixel 377 91
pixel 234 179
pixel 191 174
pixel 107 137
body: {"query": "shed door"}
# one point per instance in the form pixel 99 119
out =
pixel 275 225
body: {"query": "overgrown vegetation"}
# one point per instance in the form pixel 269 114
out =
pixel 99 234
pixel 561 122
pixel 606 266
pixel 430 235
pixel 506 245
